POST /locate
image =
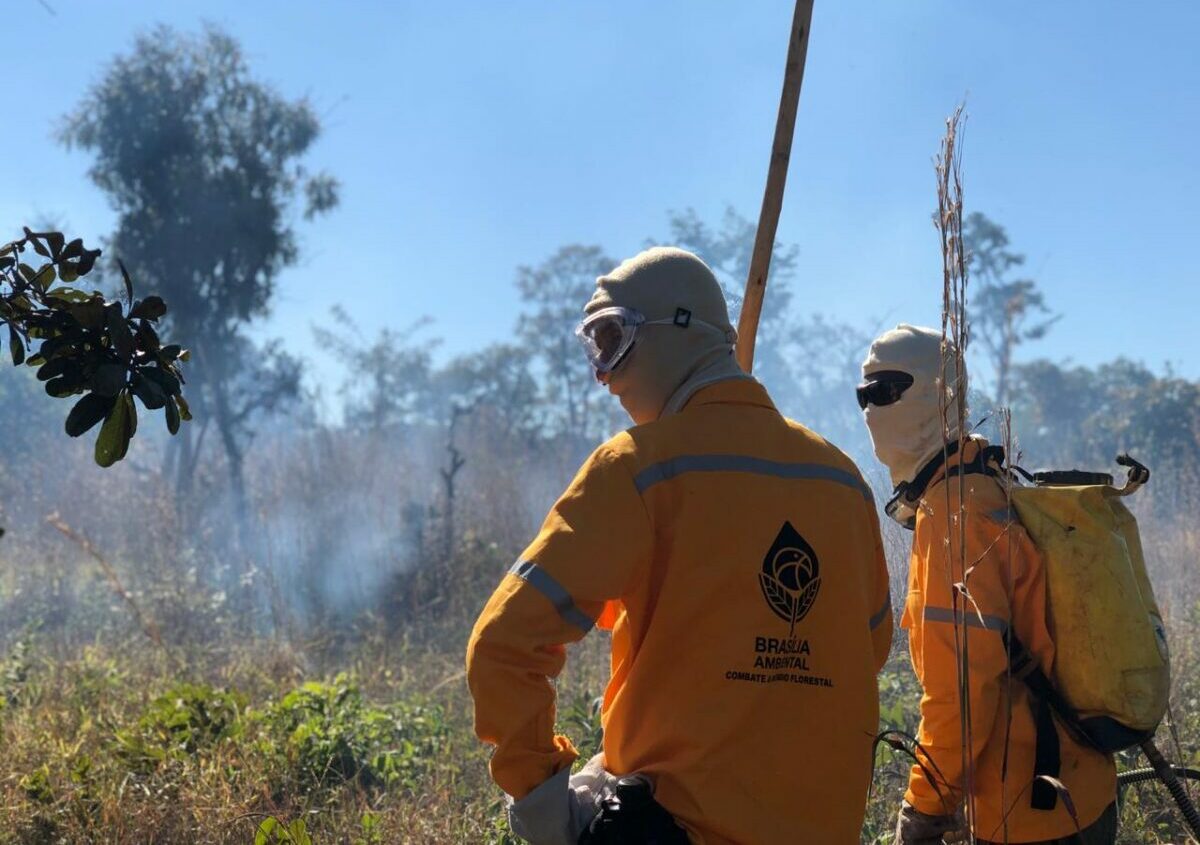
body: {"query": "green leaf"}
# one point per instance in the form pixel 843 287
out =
pixel 73 250
pixel 171 351
pixel 265 830
pixel 37 787
pixel 87 261
pixel 32 237
pixel 17 346
pixel 115 434
pixel 63 386
pixel 185 412
pixel 152 396
pixel 150 308
pixel 45 276
pixel 54 369
pixel 109 379
pixel 89 314
pixel 172 413
pixel 168 383
pixel 68 272
pixel 118 330
pixel 68 295
pixel 128 400
pixel 128 282
pixel 87 412
pixel 51 347
pixel 298 832
pixel 147 337
pixel 55 240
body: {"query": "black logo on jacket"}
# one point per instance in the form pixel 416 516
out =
pixel 790 576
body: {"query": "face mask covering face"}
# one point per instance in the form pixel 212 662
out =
pixel 907 433
pixel 906 424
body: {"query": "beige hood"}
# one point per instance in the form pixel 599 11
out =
pixel 908 433
pixel 668 363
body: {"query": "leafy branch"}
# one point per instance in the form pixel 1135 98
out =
pixel 105 351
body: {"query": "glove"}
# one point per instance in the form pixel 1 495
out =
pixel 559 810
pixel 916 828
pixel 592 785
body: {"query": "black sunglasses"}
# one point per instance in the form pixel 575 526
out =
pixel 883 388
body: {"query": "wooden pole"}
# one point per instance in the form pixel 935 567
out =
pixel 768 218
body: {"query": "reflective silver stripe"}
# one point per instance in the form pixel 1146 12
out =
pixel 882 614
pixel 945 614
pixel 673 467
pixel 545 584
pixel 1004 515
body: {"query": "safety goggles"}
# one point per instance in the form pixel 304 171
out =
pixel 610 333
pixel 883 388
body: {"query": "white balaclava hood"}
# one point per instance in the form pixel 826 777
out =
pixel 908 433
pixel 667 364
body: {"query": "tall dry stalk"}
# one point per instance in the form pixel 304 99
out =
pixel 1006 482
pixel 148 626
pixel 953 410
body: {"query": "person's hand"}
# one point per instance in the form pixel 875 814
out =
pixel 560 809
pixel 916 828
pixel 591 785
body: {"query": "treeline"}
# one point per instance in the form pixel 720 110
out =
pixel 260 516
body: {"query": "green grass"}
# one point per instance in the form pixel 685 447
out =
pixel 105 745
pixel 110 747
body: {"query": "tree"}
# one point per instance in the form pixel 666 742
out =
pixel 1080 416
pixel 1004 311
pixel 199 161
pixel 392 377
pixel 554 293
pixel 90 346
pixel 497 385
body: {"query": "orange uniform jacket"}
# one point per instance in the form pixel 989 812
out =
pixel 1007 586
pixel 737 558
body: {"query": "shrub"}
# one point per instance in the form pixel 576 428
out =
pixel 327 735
pixel 184 720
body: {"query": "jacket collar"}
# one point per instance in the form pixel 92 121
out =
pixel 742 391
pixel 902 506
pixel 971 448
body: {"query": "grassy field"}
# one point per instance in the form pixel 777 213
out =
pixel 259 742
pixel 153 691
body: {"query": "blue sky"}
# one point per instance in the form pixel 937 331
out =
pixel 472 137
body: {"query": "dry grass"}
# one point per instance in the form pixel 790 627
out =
pixel 63 710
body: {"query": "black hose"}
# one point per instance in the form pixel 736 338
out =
pixel 1166 773
pixel 1134 776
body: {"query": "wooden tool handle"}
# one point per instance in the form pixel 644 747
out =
pixel 768 218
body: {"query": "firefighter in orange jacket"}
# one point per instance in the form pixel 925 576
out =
pixel 736 557
pixel 960 639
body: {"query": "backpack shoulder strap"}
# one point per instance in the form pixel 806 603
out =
pixel 1046 703
pixel 988 462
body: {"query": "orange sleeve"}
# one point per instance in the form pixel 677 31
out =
pixel 594 543
pixel 881 596
pixel 974 627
